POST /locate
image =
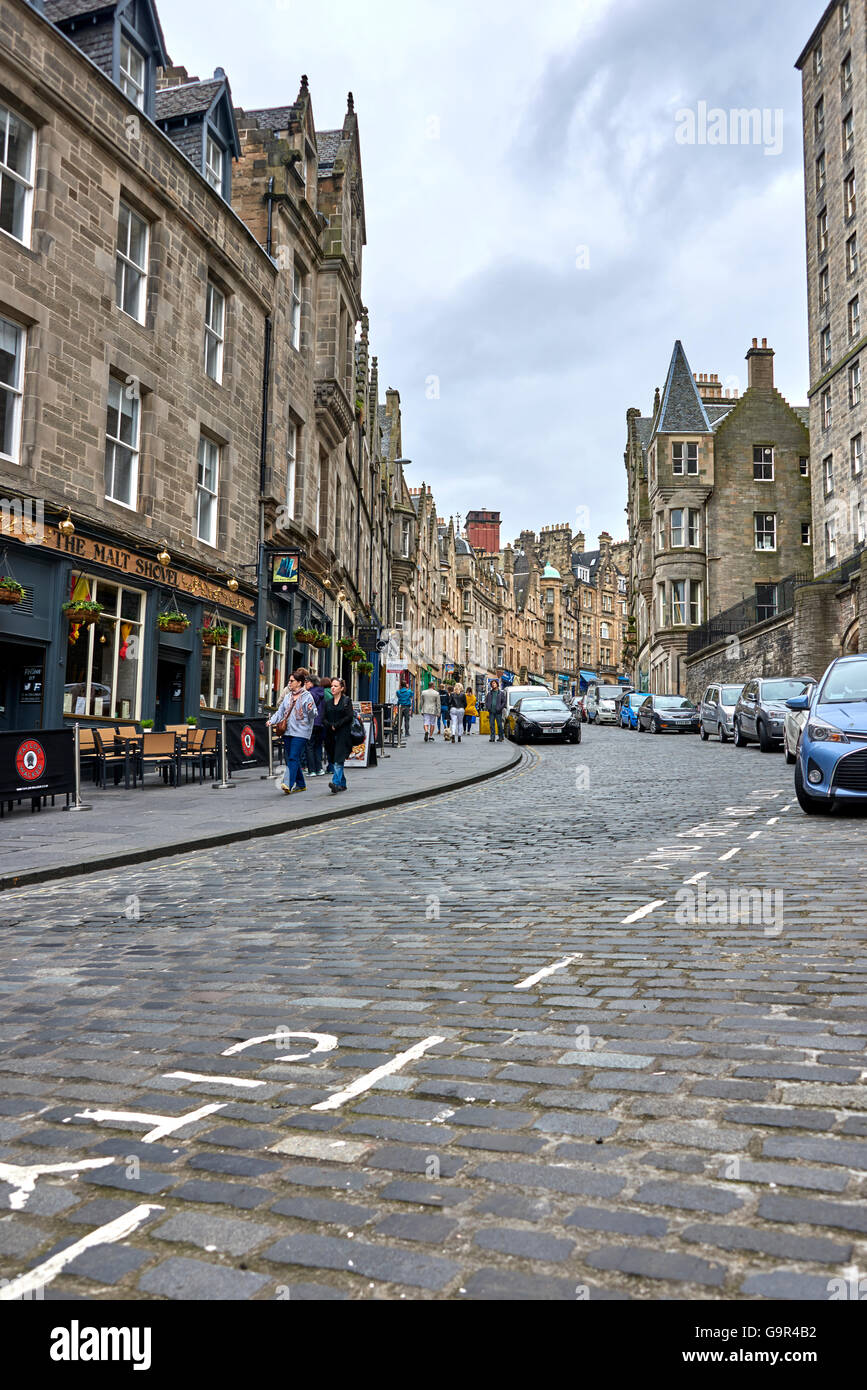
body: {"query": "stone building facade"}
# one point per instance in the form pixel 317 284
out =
pixel 119 403
pixel 833 67
pixel 719 510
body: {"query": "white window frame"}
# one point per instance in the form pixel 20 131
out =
pixel 18 177
pixel 127 80
pixel 763 463
pixel 825 346
pixel 817 59
pixel 118 394
pixel 806 533
pixel 850 197
pixel 215 331
pixel 856 454
pixel 821 173
pixel 273 658
pixel 826 409
pixel 774 607
pixel 828 475
pixel 662 605
pixel 127 266
pixel 675 525
pixel 765 524
pixel 804 465
pixel 846 75
pixel 215 173
pixel 854 316
pixel 860 531
pixel 297 285
pixel 819 118
pixel 822 231
pixel 831 539
pixel 824 287
pixel 693 528
pixel 208 469
pixel 14 389
pixel 854 378
pixel 100 591
pixel 291 467
pixel 845 15
pixel 852 255
pixel 220 658
pixel 405 538
pixel 847 130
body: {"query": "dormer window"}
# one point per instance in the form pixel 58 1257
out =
pixel 133 73
pixel 214 163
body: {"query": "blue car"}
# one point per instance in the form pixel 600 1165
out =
pixel 831 765
pixel 629 710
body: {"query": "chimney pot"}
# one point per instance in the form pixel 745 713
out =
pixel 755 342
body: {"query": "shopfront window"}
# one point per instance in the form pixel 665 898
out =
pixel 274 679
pixel 222 685
pixel 103 660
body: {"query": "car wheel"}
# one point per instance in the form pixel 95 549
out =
pixel 740 741
pixel 766 743
pixel 790 757
pixel 704 734
pixel 654 727
pixel 807 803
pixel 640 727
pixel 723 736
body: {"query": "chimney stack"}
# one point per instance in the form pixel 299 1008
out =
pixel 760 361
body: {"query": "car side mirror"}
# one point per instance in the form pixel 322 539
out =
pixel 802 702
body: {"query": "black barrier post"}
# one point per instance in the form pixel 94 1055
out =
pixel 224 785
pixel 77 804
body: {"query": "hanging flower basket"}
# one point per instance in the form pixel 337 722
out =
pixel 10 590
pixel 355 654
pixel 365 668
pixel 304 635
pixel 347 644
pixel 214 636
pixel 172 621
pixel 82 611
pixel 323 641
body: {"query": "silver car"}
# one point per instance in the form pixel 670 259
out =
pixel 717 711
pixel 760 711
pixel 793 725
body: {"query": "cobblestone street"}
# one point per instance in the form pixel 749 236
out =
pixel 622 1083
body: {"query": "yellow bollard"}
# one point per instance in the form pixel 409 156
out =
pixel 484 722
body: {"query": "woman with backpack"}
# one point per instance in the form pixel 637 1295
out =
pixel 457 707
pixel 339 716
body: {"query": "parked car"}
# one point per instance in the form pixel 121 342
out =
pixel 542 717
pixel 793 724
pixel 831 765
pixel 761 709
pixel 629 709
pixel 603 703
pixel 514 693
pixel 717 710
pixel 578 707
pixel 667 714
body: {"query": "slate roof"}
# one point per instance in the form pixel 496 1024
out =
pixel 803 414
pixel 327 145
pixel 462 546
pixel 681 410
pixel 416 502
pixel 190 99
pixel 272 117
pixel 717 411
pixel 588 559
pixel 644 430
pixel 57 10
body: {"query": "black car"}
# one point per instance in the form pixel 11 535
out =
pixel 668 714
pixel 540 717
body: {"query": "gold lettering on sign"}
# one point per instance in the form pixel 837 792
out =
pixel 128 563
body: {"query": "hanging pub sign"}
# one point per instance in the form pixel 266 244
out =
pixel 40 764
pixel 285 571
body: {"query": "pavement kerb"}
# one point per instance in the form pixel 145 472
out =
pixel 254 832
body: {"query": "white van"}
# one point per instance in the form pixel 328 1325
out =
pixel 603 702
pixel 514 693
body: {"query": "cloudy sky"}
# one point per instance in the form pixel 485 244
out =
pixel 538 234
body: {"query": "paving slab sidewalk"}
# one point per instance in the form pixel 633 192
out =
pixel 129 827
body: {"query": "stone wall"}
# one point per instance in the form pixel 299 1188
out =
pixel 763 650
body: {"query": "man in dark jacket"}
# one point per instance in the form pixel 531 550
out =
pixel 495 704
pixel 317 738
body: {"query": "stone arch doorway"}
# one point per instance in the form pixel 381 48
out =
pixel 851 639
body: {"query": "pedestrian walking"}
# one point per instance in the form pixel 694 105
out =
pixel 444 712
pixel 294 715
pixel 457 707
pixel 495 704
pixel 317 738
pixel 430 709
pixel 404 708
pixel 338 715
pixel 471 712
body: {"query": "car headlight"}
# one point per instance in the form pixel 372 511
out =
pixel 820 732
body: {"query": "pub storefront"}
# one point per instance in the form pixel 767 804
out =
pixel 111 658
pixel 297 603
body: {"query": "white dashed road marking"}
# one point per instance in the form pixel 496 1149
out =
pixel 643 911
pixel 163 1124
pixel 214 1080
pixel 548 970
pixel 730 853
pixel 370 1078
pixel 696 878
pixel 119 1229
pixel 23 1178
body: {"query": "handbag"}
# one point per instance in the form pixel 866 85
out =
pixel 357 733
pixel 281 726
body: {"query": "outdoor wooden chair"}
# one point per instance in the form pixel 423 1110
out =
pixel 88 754
pixel 207 749
pixel 110 755
pixel 160 751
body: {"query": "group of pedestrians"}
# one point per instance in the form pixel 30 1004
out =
pixel 453 712
pixel 313 717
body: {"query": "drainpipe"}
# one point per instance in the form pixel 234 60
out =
pixel 262 596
